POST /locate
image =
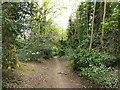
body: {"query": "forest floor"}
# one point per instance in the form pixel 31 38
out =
pixel 51 74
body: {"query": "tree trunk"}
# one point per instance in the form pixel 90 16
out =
pixel 45 17
pixel 102 42
pixel 91 40
pixel 76 21
pixel 77 26
pixel 119 28
pixel 89 14
pixel 87 8
pixel 39 27
pixel 119 44
pixel 100 10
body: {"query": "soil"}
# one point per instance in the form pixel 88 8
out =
pixel 51 74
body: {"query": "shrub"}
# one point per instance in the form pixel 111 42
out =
pixel 95 65
pixel 34 50
pixel 55 51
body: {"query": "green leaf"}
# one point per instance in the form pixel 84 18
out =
pixel 33 69
pixel 64 7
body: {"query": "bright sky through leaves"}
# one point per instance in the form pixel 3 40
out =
pixel 63 19
pixel 70 6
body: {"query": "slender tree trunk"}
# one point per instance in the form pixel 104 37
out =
pixel 45 17
pixel 119 25
pixel 39 25
pixel 89 14
pixel 75 31
pixel 119 44
pixel 91 40
pixel 38 32
pixel 76 21
pixel 87 7
pixel 100 10
pixel 77 26
pixel 32 31
pixel 102 42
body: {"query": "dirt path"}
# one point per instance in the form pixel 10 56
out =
pixel 52 74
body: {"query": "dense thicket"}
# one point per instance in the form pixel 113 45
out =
pixel 80 27
pixel 93 41
pixel 13 25
pixel 27 34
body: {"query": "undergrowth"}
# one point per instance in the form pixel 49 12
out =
pixel 96 66
pixel 9 79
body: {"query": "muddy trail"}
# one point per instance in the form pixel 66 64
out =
pixel 51 74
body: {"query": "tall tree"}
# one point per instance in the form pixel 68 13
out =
pixel 118 47
pixel 102 42
pixel 13 17
pixel 87 10
pixel 91 40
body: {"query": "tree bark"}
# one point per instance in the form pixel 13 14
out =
pixel 119 27
pixel 100 10
pixel 91 40
pixel 45 17
pixel 76 21
pixel 102 42
pixel 87 7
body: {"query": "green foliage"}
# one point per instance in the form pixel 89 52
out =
pixel 101 75
pixel 9 56
pixel 60 58
pixel 39 42
pixel 99 64
pixel 64 7
pixel 34 50
pixel 33 69
pixel 9 79
pixel 28 36
pixel 95 65
pixel 12 25
pixel 55 51
pixel 61 47
pixel 48 52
